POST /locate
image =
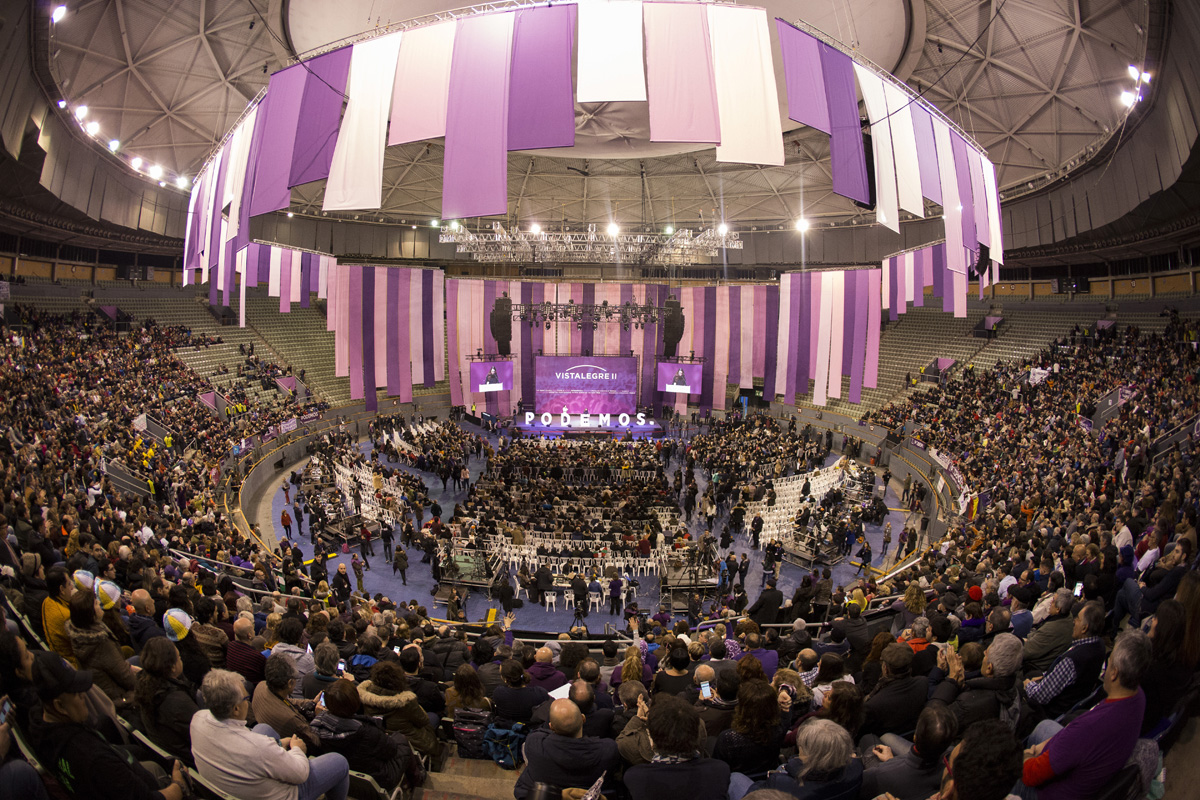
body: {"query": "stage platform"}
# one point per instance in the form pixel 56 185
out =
pixel 577 429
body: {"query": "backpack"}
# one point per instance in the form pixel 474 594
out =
pixel 504 744
pixel 470 728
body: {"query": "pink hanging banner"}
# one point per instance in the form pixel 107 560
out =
pixel 871 371
pixel 679 74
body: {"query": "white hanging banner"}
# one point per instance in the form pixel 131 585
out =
pixel 887 208
pixel 904 150
pixel 837 330
pixel 422 85
pixel 356 174
pixel 274 271
pixel 821 379
pixel 747 97
pixel 951 205
pixel 993 204
pixel 609 62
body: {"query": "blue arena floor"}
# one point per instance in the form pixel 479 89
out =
pixel 531 617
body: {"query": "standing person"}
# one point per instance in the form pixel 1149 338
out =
pixel 614 595
pixel 887 539
pixel 285 519
pixel 287 493
pixel 357 566
pixel 743 569
pixel 864 555
pixel 388 536
pixel 364 544
pixel 400 563
pixel 299 514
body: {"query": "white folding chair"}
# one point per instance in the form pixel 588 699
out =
pixel 550 599
pixel 594 601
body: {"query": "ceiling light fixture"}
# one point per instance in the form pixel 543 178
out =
pixel 802 224
pixel 669 230
pixel 1145 77
pixel 291 214
pixel 535 229
pixel 136 163
pixel 433 223
pixel 114 144
pixel 613 229
pixel 81 112
pixel 182 182
pixel 57 14
pixel 722 229
pixel 62 103
pixel 1128 99
pixel 1134 72
pixel 92 128
pixel 155 171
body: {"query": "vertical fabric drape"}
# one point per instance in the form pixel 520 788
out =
pixel 541 101
pixel 887 208
pixel 320 115
pixel 609 63
pixel 679 74
pixel 422 84
pixel 747 99
pixel 807 101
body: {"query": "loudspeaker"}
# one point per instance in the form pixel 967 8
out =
pixel 984 262
pixel 672 327
pixel 501 323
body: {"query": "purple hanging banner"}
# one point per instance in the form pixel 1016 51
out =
pixel 772 320
pixel 397 279
pixel 735 333
pixel 354 351
pixel 280 120
pixel 857 285
pixel 452 322
pixel 428 377
pixel 253 154
pixel 874 301
pixel 927 162
pixel 805 79
pixel 962 168
pixel 919 267
pixel 306 274
pixel 541 101
pixel 893 268
pixel 368 339
pixel 475 169
pixel 321 112
pixel 848 160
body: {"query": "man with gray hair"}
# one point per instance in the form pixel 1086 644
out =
pixel 247 763
pixel 1080 760
pixel 1075 673
pixel 1052 638
pixel 990 695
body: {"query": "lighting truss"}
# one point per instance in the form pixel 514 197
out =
pixel 588 315
pixel 680 248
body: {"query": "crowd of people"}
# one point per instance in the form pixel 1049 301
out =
pixel 1037 650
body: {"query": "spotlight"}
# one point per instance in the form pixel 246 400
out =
pixel 414 227
pixel 290 215
pixel 162 183
pixel 535 229
pixel 57 14
pixel 1145 77
pixel 114 144
pixel 155 171
pixel 92 128
pixel 454 225
pixel 613 229
pixel 182 182
pixel 136 163
pixel 668 230
pixel 62 103
pixel 81 112
pixel 1134 72
pixel 1128 99
pixel 722 229
pixel 433 223
pixel 802 225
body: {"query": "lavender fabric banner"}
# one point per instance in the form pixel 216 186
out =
pixel 919 265
pixel 279 118
pixel 429 370
pixel 710 350
pixel 962 168
pixel 807 103
pixel 541 101
pixel 735 333
pixel 254 154
pixel 858 284
pixel 321 110
pixel 285 281
pixel 871 363
pixel 354 326
pixel 475 171
pixel 306 275
pixel 397 280
pixel 848 159
pixel 679 74
pixel 452 332
pixel 927 163
pixel 587 343
pixel 772 321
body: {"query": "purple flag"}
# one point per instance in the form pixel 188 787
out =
pixel 927 162
pixel 368 339
pixel 805 79
pixel 475 170
pixel 541 101
pixel 847 157
pixel 962 169
pixel 280 119
pixel 320 115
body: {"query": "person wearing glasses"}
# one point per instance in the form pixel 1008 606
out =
pixel 257 763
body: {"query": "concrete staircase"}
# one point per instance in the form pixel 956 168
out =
pixel 468 778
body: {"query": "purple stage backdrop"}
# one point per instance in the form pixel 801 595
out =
pixel 491 376
pixel 680 378
pixel 596 384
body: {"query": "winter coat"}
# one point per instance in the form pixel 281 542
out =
pixel 168 721
pixel 365 745
pixel 400 712
pixel 96 649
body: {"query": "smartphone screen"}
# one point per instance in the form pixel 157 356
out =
pixel 342 665
pixel 705 690
pixel 397 649
pixel 1079 589
pixel 321 699
pixel 5 709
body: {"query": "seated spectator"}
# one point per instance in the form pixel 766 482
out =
pixel 896 701
pixel 1075 673
pixel 386 693
pixel 984 765
pixel 516 699
pixel 211 639
pixel 911 772
pixel 678 767
pixel 1170 673
pixel 96 649
pixel 274 703
pixel 362 741
pixel 178 625
pixel 991 694
pixel 674 678
pixel 825 766
pixel 243 657
pixel 56 612
pixel 751 743
pixel 542 672
pixel 325 671
pixel 142 625
pixel 768 658
pixel 830 670
pixel 367 654
pixel 1052 638
pixel 82 761
pixel 466 692
pixel 1079 760
pixel 589 671
pixel 258 763
pixel 291 629
pixel 560 755
pixel 16 675
pixel 1020 602
pixel 166 699
pixel 716 712
pixel 428 692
